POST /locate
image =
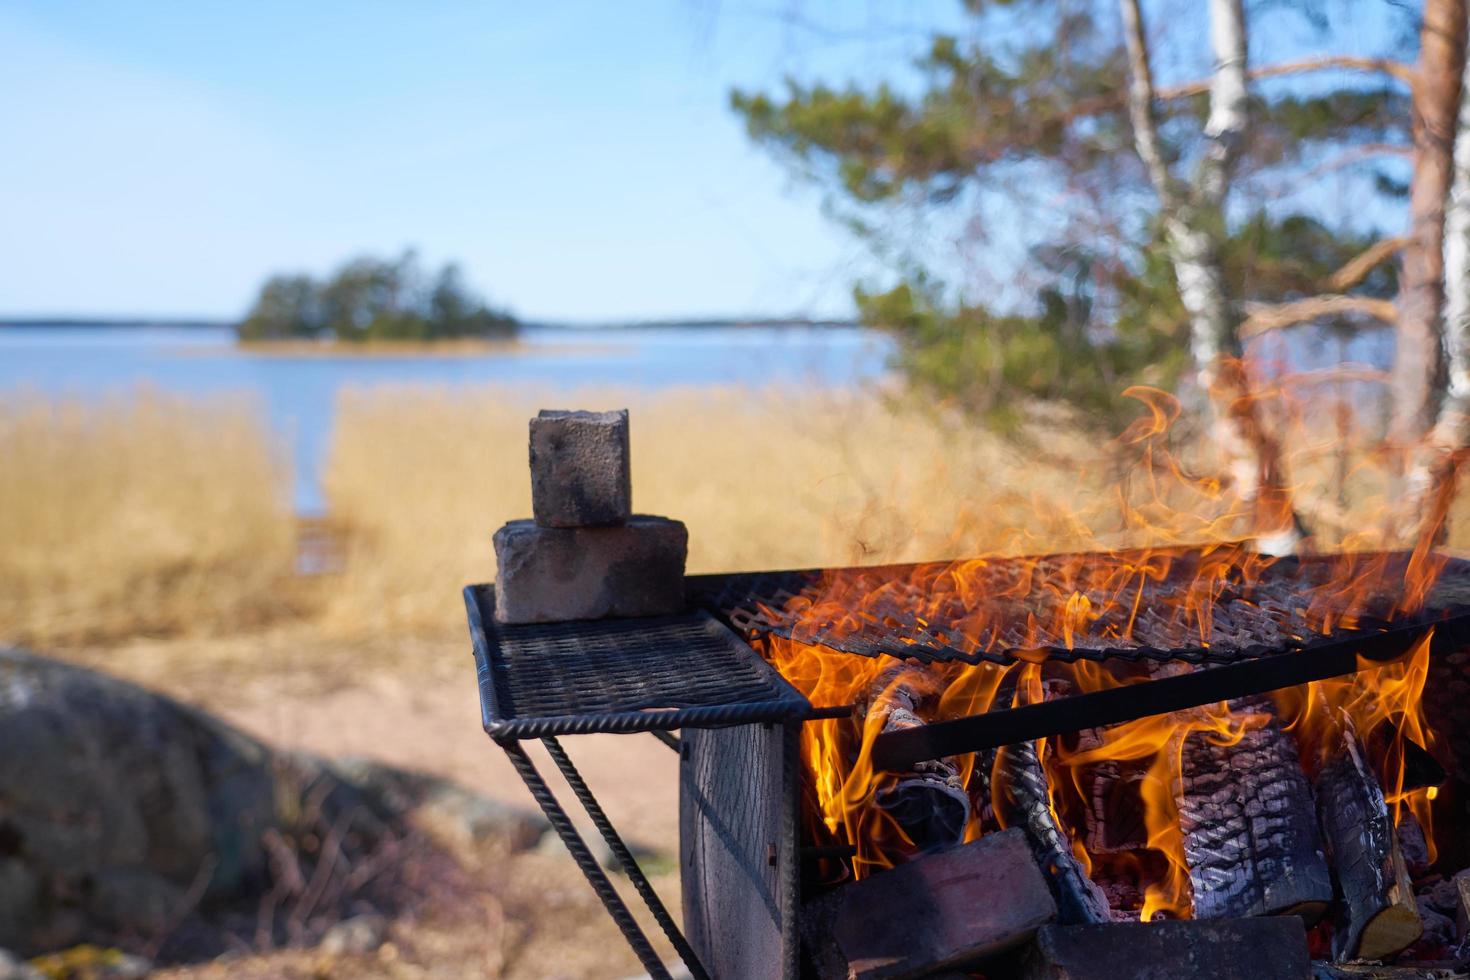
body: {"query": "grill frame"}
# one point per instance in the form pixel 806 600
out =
pixel 740 792
pixel 637 672
pixel 901 750
pixel 742 600
pixel 746 602
pixel 739 850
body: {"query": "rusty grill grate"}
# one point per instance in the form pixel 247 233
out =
pixel 870 611
pixel 1249 634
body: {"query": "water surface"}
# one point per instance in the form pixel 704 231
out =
pixel 298 393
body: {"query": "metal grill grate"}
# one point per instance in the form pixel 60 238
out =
pixel 871 611
pixel 1257 637
pixel 619 675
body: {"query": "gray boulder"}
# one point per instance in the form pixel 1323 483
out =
pixel 115 803
pixel 128 819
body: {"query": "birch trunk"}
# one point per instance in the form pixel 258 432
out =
pixel 1194 224
pixel 1418 375
pixel 1431 477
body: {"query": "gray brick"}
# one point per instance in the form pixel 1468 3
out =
pixel 580 475
pixel 551 574
pixel 947 909
pixel 1197 949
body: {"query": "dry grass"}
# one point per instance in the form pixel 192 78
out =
pixel 137 514
pixel 151 513
pixel 419 478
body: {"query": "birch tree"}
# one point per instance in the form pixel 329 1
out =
pixel 1159 217
pixel 1194 220
pixel 1433 474
pixel 1418 371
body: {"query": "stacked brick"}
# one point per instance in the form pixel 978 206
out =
pixel 586 555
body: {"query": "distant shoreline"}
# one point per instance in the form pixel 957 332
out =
pixel 100 323
pixel 694 323
pixel 463 347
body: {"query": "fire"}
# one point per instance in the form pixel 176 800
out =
pixel 836 753
pixel 1384 706
pixel 1192 584
pixel 1159 741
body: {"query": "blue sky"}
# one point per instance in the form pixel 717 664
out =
pixel 577 158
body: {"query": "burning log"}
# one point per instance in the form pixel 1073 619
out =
pixel 1026 803
pixel 929 802
pixel 1378 917
pixel 1250 835
pixel 1113 809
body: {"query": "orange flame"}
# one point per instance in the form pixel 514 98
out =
pixel 1191 582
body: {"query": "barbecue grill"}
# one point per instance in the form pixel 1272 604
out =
pixel 700 675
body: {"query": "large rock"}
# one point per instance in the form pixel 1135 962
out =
pixel 114 802
pixel 126 817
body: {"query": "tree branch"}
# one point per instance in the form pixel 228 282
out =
pixel 1376 66
pixel 1275 316
pixel 1356 269
pixel 1141 104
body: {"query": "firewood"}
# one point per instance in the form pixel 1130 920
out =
pixel 1113 806
pixel 1371 971
pixel 1250 834
pixel 929 802
pixel 1377 915
pixel 1025 803
pixel 937 912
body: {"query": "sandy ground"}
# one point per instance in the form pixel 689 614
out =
pixel 413 703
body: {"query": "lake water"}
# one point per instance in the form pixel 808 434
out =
pixel 298 394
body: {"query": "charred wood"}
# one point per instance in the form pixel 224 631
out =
pixel 1372 971
pixel 1462 907
pixel 1413 845
pixel 939 911
pixel 1446 693
pixel 1421 769
pixel 929 802
pixel 1377 915
pixel 1250 833
pixel 1113 806
pixel 1025 802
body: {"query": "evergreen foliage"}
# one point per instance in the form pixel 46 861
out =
pixel 1030 112
pixel 373 299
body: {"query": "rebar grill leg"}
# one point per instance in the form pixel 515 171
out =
pixel 625 857
pixel 596 877
pixel 668 738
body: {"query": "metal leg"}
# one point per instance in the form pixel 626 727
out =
pixel 625 858
pixel 668 738
pixel 585 860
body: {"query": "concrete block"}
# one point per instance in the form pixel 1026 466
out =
pixel 1196 949
pixel 580 475
pixel 552 574
pixel 947 909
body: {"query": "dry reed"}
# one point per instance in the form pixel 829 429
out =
pixel 151 513
pixel 418 479
pixel 138 513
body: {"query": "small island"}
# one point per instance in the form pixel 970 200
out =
pixel 371 305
